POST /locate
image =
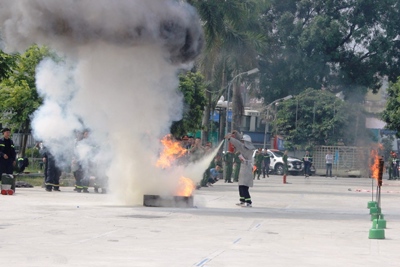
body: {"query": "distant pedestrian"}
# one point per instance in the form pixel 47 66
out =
pixel 329 163
pixel 266 162
pixel 258 161
pixel 246 148
pixel 285 166
pixel 236 166
pixel 228 169
pixel 307 160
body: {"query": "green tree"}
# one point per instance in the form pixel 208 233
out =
pixel 338 45
pixel 318 117
pixel 192 87
pixel 19 98
pixel 391 114
pixel 7 62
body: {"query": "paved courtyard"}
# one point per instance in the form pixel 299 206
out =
pixel 310 222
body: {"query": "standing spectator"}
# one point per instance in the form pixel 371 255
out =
pixel 53 173
pixel 236 166
pixel 228 160
pixel 329 162
pixel 391 167
pixel 266 163
pixel 258 160
pixel 307 160
pixel 285 166
pixel 395 167
pixel 245 147
pixel 7 155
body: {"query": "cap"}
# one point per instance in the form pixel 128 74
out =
pixel 5 130
pixel 185 137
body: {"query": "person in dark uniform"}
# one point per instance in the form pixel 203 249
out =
pixel 80 166
pixel 266 163
pixel 53 173
pixel 307 160
pixel 7 155
pixel 228 159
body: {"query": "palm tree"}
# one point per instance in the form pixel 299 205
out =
pixel 232 42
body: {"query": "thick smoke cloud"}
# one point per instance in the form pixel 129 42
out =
pixel 70 23
pixel 118 78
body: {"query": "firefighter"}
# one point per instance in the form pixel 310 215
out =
pixel 246 148
pixel 80 165
pixel 7 155
pixel 53 173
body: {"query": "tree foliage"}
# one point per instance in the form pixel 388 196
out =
pixel 19 98
pixel 6 64
pixel 233 41
pixel 338 45
pixel 318 117
pixel 391 114
pixel 192 87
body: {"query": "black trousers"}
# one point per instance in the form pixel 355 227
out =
pixel 329 169
pixel 307 166
pixel 81 182
pixel 244 194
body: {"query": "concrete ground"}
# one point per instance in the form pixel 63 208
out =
pixel 310 222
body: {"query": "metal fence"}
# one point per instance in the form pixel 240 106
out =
pixel 348 160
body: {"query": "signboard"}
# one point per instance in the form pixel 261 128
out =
pixel 215 116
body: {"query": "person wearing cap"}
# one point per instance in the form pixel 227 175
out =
pixel 7 154
pixel 246 148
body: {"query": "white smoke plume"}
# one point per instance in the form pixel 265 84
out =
pixel 118 79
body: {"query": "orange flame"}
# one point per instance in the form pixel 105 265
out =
pixel 374 166
pixel 172 151
pixel 185 187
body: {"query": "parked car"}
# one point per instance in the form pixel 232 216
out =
pixel 295 165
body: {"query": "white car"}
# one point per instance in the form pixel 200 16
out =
pixel 295 165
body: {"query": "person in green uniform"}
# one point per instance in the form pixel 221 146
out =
pixel 236 163
pixel 285 166
pixel 228 160
pixel 258 160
